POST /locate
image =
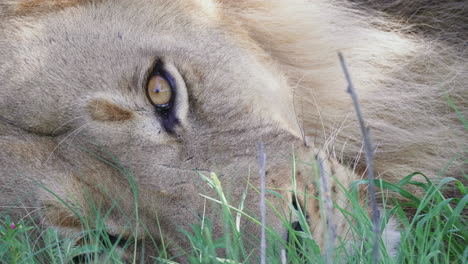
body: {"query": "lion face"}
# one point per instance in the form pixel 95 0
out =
pixel 162 92
pixel 119 105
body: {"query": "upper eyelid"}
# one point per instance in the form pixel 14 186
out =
pixel 152 71
pixel 159 68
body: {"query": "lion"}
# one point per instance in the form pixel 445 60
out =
pixel 95 90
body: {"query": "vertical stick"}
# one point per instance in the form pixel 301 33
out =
pixel 328 205
pixel 262 160
pixel 369 151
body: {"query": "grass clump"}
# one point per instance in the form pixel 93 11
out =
pixel 435 233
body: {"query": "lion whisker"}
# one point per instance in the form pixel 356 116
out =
pixel 65 138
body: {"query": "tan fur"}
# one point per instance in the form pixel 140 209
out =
pixel 29 6
pixel 61 217
pixel 107 111
pixel 76 124
pixel 309 59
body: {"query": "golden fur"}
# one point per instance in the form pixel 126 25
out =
pixel 75 119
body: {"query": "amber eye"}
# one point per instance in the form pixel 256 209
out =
pixel 159 91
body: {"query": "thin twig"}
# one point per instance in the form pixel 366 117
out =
pixel 262 160
pixel 369 151
pixel 326 197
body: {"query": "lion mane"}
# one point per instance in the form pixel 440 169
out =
pixel 402 71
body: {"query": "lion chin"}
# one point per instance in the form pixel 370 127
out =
pixel 126 102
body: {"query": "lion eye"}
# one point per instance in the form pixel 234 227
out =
pixel 159 91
